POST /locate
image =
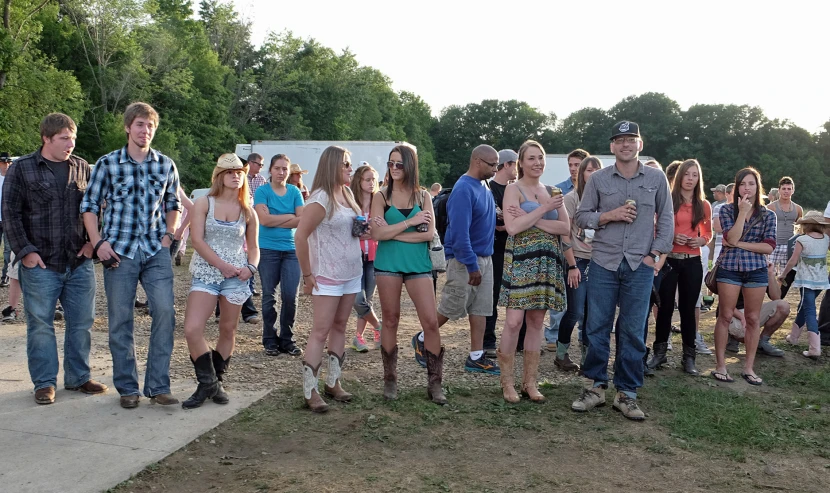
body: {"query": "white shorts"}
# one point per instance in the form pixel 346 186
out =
pixel 13 268
pixel 347 287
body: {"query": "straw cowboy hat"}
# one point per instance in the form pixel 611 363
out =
pixel 295 168
pixel 813 217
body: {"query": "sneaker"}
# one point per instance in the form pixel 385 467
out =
pixel 732 344
pixel 628 407
pixel 256 293
pixel 490 353
pixel 764 347
pixel 551 346
pixel 291 350
pixel 253 319
pixel 4 282
pixel 58 313
pixel 9 314
pixel 668 345
pixel 675 329
pixel 272 351
pixel 589 399
pixel 359 345
pixel 140 304
pixel 179 256
pixel 420 352
pixel 376 335
pixel 701 347
pixel 482 365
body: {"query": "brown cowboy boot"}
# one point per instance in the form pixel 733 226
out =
pixel 332 386
pixel 531 369
pixel 390 373
pixel 435 372
pixel 508 383
pixel 312 398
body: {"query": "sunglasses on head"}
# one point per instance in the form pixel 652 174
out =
pixel 394 164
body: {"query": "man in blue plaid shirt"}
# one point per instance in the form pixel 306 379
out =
pixel 139 186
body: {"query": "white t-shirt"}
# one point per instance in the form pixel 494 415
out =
pixel 826 211
pixel 716 217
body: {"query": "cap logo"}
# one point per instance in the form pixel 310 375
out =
pixel 624 127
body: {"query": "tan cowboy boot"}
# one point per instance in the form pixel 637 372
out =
pixel 508 384
pixel 332 387
pixel 390 373
pixel 531 369
pixel 312 397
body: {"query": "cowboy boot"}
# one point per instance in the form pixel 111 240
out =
pixel 208 384
pixel 221 366
pixel 508 384
pixel 390 373
pixel 312 398
pixel 531 369
pixel 795 333
pixel 332 386
pixel 689 353
pixel 814 340
pixel 659 357
pixel 647 372
pixel 435 372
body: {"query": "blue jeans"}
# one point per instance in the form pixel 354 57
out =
pixel 632 290
pixel 576 304
pixel 552 330
pixel 278 268
pixel 156 276
pixel 807 309
pixel 363 300
pixel 42 288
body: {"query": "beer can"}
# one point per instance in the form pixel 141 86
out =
pixel 554 191
pixel 631 202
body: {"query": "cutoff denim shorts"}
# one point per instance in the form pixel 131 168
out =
pixel 233 289
pixel 753 279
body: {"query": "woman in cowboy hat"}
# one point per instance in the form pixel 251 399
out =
pixel 295 177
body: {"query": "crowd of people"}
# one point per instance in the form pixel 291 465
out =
pixel 600 252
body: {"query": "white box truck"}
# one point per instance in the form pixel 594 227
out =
pixel 556 167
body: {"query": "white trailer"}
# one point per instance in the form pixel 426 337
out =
pixel 556 167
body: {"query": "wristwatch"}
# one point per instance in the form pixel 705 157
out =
pixel 654 257
pixel 572 267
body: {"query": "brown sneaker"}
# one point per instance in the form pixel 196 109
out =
pixel 628 407
pixel 129 401
pixel 45 395
pixel 164 399
pixel 90 387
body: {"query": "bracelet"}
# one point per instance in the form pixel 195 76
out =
pixel 172 237
pixel 252 269
pixel 306 275
pixel 97 245
pixel 406 224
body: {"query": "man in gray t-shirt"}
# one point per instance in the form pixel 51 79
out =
pixel 621 203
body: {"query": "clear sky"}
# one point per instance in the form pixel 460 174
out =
pixel 561 56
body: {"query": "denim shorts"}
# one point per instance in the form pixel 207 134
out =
pixel 753 279
pixel 406 276
pixel 233 289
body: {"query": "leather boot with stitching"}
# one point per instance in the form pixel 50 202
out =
pixel 208 384
pixel 659 357
pixel 332 386
pixel 531 370
pixel 435 374
pixel 310 381
pixel 390 373
pixel 221 366
pixel 689 353
pixel 508 382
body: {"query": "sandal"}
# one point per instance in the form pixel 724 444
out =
pixel 752 379
pixel 722 377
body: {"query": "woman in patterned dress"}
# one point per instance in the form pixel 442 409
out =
pixel 533 281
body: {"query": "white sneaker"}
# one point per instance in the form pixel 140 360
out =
pixel 700 346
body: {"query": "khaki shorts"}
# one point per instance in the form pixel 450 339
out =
pixel 737 331
pixel 459 299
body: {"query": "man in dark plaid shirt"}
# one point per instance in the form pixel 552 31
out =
pixel 41 196
pixel 140 187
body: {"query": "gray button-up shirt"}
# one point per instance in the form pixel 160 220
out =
pixel 607 190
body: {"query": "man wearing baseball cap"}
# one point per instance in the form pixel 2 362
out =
pixel 719 192
pixel 620 203
pixel 140 185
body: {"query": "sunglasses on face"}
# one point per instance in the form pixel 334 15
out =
pixel 347 164
pixel 394 165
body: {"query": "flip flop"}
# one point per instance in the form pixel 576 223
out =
pixel 752 379
pixel 722 377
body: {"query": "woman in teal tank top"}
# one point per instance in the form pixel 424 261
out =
pixel 403 258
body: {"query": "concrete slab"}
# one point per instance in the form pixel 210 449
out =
pixel 55 448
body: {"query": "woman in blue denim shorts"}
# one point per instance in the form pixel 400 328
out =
pixel 222 221
pixel 748 237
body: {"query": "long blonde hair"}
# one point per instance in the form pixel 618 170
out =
pixel 328 175
pixel 357 185
pixel 244 197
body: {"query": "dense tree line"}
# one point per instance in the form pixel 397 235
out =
pixel 215 89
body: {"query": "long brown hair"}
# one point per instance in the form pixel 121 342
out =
pixel 218 183
pixel 527 145
pixel 328 175
pixel 697 194
pixel 591 161
pixel 357 185
pixel 409 157
pixel 736 196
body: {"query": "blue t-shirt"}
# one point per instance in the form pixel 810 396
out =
pixel 280 239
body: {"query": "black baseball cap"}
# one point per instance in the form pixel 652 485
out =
pixel 625 127
pixel 4 157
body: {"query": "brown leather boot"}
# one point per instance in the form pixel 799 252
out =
pixel 531 369
pixel 390 373
pixel 312 399
pixel 332 386
pixel 435 373
pixel 508 383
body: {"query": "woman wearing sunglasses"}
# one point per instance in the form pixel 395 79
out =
pixel 402 258
pixel 332 267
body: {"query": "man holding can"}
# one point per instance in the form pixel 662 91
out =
pixel 620 203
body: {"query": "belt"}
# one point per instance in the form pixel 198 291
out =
pixel 682 255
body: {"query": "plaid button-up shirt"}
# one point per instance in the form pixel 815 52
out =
pixel 763 231
pixel 138 195
pixel 35 218
pixel 255 182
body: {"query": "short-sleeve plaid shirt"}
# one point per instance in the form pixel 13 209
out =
pixel 763 231
pixel 255 182
pixel 138 195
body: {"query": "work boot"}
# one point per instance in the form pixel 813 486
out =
pixel 208 384
pixel 815 346
pixel 435 373
pixel 390 373
pixel 221 366
pixel 508 384
pixel 332 386
pixel 590 398
pixel 628 406
pixel 689 353
pixel 659 357
pixel 531 370
pixel 310 381
pixel 564 364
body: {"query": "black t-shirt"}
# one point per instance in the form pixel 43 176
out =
pixel 498 195
pixel 61 172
